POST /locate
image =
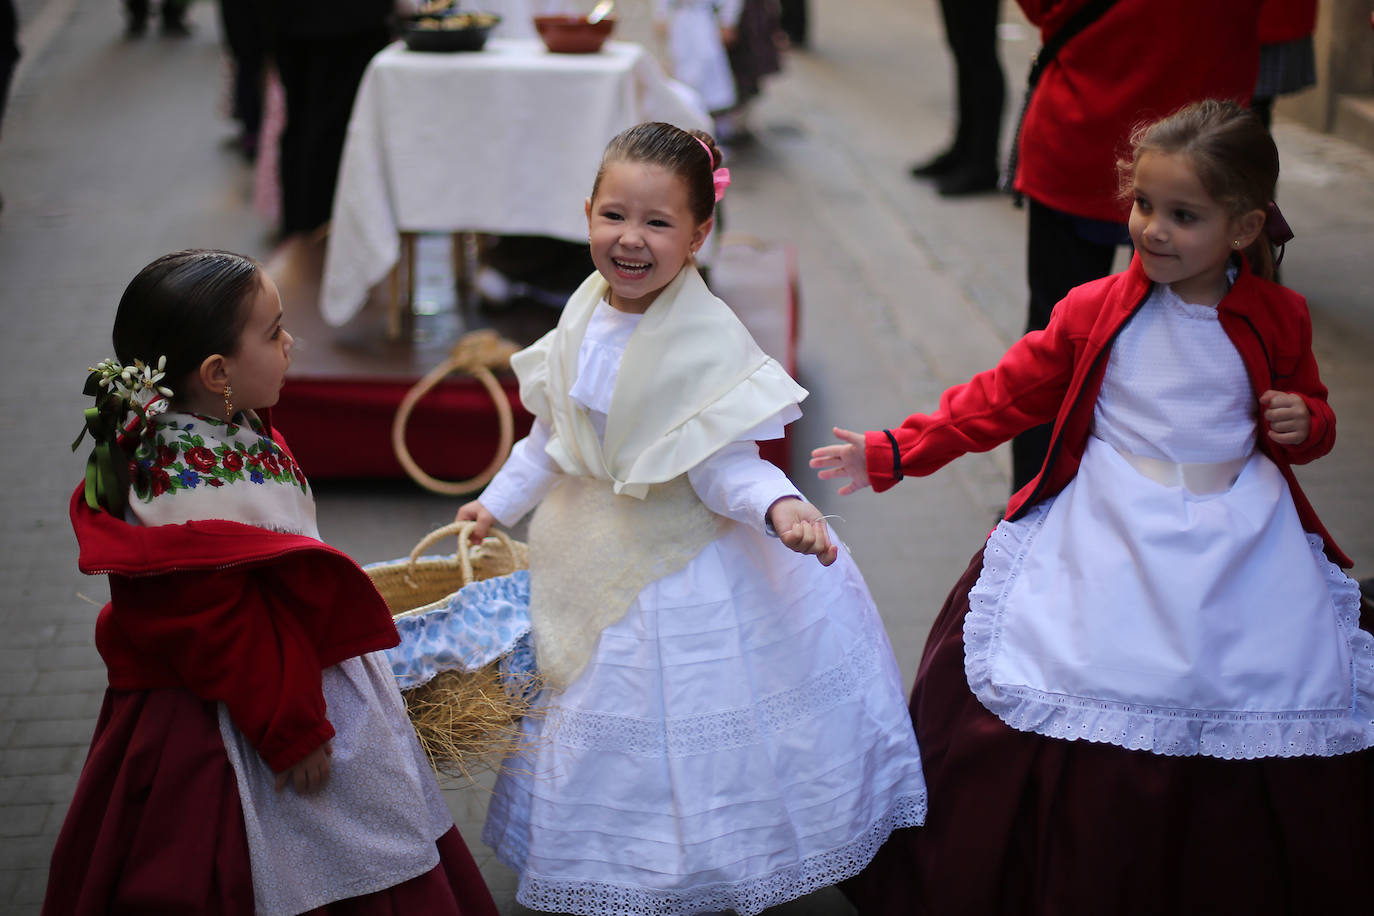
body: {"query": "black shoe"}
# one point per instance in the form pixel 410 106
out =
pixel 968 179
pixel 175 28
pixel 136 28
pixel 942 164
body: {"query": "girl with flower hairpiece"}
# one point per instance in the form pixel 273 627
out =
pixel 723 724
pixel 252 754
pixel 1150 691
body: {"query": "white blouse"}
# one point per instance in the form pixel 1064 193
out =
pixel 1175 387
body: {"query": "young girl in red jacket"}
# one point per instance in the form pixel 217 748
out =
pixel 1150 692
pixel 252 754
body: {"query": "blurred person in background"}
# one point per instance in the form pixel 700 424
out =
pixel 969 164
pixel 9 58
pixel 243 25
pixel 1288 58
pixel 1127 63
pixel 795 22
pixel 694 32
pixel 753 44
pixel 173 13
pixel 321 48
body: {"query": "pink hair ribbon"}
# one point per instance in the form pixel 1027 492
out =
pixel 720 178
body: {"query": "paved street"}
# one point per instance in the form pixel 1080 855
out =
pixel 116 152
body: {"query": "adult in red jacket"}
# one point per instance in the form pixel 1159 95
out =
pixel 1138 61
pixel 1023 824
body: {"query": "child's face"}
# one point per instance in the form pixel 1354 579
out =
pixel 257 370
pixel 641 231
pixel 1182 235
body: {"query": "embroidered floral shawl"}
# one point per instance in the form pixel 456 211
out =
pixel 209 469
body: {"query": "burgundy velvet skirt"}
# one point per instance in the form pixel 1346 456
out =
pixel 1023 824
pixel 156 827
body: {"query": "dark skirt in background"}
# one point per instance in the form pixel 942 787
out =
pixel 1022 824
pixel 1286 66
pixel 755 53
pixel 156 826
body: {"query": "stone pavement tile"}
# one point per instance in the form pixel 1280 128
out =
pixel 23 820
pixel 28 638
pixel 50 733
pixel 74 679
pixel 20 853
pixel 76 632
pixel 17 682
pixel 40 761
pixel 40 788
pixel 82 706
pixel 33 883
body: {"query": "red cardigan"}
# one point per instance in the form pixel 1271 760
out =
pixel 1139 61
pixel 1055 375
pixel 232 613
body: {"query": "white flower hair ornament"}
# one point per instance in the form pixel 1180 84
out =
pixel 127 398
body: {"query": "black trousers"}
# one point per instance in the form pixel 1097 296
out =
pixel 980 88
pixel 1061 253
pixel 319 76
pixel 794 21
pixel 245 33
pixel 173 11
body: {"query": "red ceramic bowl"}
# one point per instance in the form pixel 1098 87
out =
pixel 573 34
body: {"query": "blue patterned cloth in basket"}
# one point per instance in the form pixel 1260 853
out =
pixel 479 623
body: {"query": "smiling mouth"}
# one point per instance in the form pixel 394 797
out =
pixel 631 269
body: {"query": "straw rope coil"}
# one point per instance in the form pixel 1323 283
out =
pixel 465 720
pixel 476 353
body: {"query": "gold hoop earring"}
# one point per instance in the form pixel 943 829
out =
pixel 1235 244
pixel 228 404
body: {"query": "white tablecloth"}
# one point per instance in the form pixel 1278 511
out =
pixel 506 140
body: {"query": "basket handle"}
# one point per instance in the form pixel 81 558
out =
pixel 463 531
pixel 475 353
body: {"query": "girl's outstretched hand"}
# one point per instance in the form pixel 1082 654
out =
pixel 308 774
pixel 1290 422
pixel 801 527
pixel 476 512
pixel 844 460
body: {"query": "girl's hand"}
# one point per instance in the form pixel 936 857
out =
pixel 1290 422
pixel 801 527
pixel 476 512
pixel 310 773
pixel 845 460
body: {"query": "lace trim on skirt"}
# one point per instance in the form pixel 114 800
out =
pixel 589 898
pixel 1167 731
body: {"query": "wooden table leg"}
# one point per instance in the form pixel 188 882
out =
pixel 400 306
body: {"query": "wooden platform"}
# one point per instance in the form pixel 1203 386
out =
pixel 345 383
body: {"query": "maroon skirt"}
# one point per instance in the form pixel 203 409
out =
pixel 156 826
pixel 1023 824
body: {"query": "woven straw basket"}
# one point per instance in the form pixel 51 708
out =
pixel 464 720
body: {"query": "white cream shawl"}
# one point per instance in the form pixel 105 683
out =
pixel 691 381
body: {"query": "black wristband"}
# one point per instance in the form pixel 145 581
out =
pixel 896 456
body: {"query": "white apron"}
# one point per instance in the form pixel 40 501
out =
pixel 1157 605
